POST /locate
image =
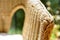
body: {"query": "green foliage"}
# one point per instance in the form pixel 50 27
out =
pixel 17 22
pixel 54 5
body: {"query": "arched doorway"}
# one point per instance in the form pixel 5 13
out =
pixel 17 22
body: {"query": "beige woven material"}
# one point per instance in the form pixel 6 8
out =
pixel 38 22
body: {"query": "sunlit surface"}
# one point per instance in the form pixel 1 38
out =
pixel 11 37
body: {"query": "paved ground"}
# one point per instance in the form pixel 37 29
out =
pixel 11 37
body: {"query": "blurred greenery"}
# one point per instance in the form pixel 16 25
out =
pixel 53 6
pixel 17 22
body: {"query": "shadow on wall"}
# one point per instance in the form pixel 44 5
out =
pixel 17 22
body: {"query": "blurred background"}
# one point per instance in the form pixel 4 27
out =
pixel 53 6
pixel 17 22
